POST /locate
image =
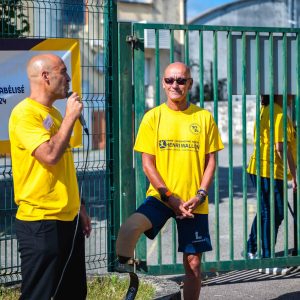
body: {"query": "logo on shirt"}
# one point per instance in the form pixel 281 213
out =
pixel 162 144
pixel 48 122
pixel 195 128
pixel 179 145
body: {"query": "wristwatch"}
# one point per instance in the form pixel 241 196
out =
pixel 201 195
pixel 165 196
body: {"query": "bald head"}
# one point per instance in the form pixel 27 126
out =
pixel 48 77
pixel 41 63
pixel 178 67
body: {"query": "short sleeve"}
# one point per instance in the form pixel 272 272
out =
pixel 145 138
pixel 31 132
pixel 278 128
pixel 214 142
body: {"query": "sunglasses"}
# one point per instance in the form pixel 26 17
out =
pixel 180 81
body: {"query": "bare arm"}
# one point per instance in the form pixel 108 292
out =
pixel 210 165
pixel 290 161
pixel 158 183
pixel 51 151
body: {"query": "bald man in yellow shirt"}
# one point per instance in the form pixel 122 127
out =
pixel 178 142
pixel 45 186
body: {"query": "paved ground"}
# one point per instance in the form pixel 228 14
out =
pixel 240 285
pixel 237 285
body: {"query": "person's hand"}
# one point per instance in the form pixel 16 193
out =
pixel 192 204
pixel 74 106
pixel 177 205
pixel 85 221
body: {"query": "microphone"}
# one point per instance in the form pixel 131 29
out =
pixel 81 117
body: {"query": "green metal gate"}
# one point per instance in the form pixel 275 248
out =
pixel 252 61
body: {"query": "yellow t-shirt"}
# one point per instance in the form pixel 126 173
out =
pixel 265 143
pixel 41 192
pixel 179 140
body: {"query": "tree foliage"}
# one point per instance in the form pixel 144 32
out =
pixel 13 22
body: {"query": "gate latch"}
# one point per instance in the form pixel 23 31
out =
pixel 133 40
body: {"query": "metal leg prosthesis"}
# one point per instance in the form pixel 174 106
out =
pixel 127 265
pixel 128 236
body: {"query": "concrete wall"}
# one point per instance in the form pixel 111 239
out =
pixel 237 128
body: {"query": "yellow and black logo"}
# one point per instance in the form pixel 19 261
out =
pixel 162 144
pixel 195 128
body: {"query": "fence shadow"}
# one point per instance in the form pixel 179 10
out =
pixel 237 185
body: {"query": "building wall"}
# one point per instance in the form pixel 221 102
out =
pixel 261 13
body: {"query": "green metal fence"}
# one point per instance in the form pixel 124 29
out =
pixel 247 62
pixel 90 22
pixel 114 60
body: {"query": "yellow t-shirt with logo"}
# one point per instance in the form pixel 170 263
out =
pixel 265 143
pixel 42 192
pixel 179 140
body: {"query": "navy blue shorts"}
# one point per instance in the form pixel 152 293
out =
pixel 193 234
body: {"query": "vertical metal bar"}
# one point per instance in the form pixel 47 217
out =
pixel 171 46
pixel 271 79
pixel 139 109
pixel 186 47
pixel 201 75
pixel 298 142
pixel 126 205
pixel 112 120
pixel 257 147
pixel 230 146
pixel 186 53
pixel 174 229
pixel 157 70
pixel 215 91
pixel 244 125
pixel 285 166
pixel 157 102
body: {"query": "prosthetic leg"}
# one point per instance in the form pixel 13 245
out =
pixel 128 236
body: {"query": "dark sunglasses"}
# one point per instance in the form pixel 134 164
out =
pixel 180 81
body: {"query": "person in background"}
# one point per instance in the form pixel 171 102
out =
pixel 178 142
pixel 265 148
pixel 45 186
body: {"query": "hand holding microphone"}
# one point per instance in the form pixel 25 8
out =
pixel 76 104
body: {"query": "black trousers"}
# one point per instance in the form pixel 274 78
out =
pixel 44 247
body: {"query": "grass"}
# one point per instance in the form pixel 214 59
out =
pixel 104 288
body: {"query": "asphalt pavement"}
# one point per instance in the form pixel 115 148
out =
pixel 247 284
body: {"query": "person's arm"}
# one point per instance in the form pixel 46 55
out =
pixel 50 152
pixel 158 183
pixel 290 161
pixel 85 221
pixel 210 165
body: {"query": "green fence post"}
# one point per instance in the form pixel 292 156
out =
pixel 216 177
pixel 112 127
pixel 126 204
pixel 271 80
pixel 230 144
pixel 139 109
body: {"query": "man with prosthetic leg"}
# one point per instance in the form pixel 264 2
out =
pixel 178 141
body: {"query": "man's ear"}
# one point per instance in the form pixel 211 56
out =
pixel 45 75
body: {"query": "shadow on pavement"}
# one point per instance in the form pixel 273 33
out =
pixel 237 185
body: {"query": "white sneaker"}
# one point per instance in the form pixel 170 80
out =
pixel 249 255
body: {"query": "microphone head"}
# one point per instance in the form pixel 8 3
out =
pixel 69 94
